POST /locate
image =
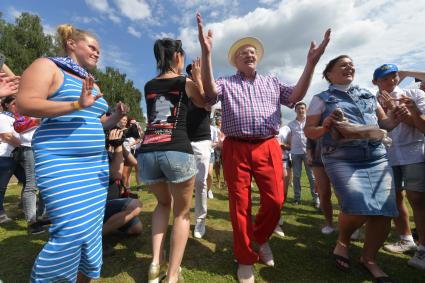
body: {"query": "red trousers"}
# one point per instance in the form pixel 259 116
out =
pixel 241 162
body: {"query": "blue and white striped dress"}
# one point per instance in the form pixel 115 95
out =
pixel 72 175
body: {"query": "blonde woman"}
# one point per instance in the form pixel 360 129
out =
pixel 71 162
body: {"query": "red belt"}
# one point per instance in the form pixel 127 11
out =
pixel 250 140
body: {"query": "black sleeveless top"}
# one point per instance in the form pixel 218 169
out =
pixel 166 103
pixel 198 123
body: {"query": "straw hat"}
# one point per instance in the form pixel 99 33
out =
pixel 252 41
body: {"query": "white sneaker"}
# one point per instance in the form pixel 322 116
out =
pixel 327 230
pixel 199 230
pixel 4 218
pixel 210 194
pixel 245 274
pixel 266 254
pixel 401 246
pixel 418 260
pixel 278 231
pixel 317 203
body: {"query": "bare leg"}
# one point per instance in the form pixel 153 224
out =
pixel 121 218
pixel 377 229
pixel 402 221
pixel 160 219
pixel 126 176
pixel 417 201
pixel 182 199
pixel 347 225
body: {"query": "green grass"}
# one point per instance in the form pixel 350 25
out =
pixel 301 256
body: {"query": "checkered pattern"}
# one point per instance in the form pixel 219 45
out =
pixel 251 108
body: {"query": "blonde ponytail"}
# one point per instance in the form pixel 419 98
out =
pixel 68 31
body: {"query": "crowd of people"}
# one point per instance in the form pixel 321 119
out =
pixel 58 136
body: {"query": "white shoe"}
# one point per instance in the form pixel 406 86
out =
pixel 278 231
pixel 266 254
pixel 199 230
pixel 4 218
pixel 418 260
pixel 317 203
pixel 245 274
pixel 327 230
pixel 401 246
pixel 210 194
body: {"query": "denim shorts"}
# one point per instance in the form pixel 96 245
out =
pixel 362 179
pixel 166 166
pixel 410 177
pixel 212 158
pixel 115 206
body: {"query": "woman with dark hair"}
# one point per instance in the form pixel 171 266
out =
pixel 71 163
pixel 357 168
pixel 166 161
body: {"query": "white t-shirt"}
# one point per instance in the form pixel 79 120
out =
pixel 408 142
pixel 6 126
pixel 26 137
pixel 283 138
pixel 298 138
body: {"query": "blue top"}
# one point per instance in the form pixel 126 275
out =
pixel 76 133
pixel 359 106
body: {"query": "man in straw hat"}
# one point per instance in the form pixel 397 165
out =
pixel 251 118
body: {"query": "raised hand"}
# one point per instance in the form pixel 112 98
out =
pixel 86 98
pixel 204 40
pixel 8 84
pixel 121 109
pixel 196 69
pixel 386 101
pixel 315 52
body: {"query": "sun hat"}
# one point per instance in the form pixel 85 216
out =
pixel 252 41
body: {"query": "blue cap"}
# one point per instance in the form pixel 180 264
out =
pixel 384 70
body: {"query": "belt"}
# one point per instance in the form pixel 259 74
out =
pixel 250 140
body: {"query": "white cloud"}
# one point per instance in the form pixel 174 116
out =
pixel 13 13
pixel 99 5
pixel 371 32
pixel 134 32
pixel 163 35
pixel 134 9
pixel 115 57
pixel 103 7
pixel 85 20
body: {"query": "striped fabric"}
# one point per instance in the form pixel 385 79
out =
pixel 251 109
pixel 72 175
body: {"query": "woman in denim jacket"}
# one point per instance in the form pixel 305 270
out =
pixel 358 168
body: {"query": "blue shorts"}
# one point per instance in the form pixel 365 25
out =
pixel 115 206
pixel 166 166
pixel 212 158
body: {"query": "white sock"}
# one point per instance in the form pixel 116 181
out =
pixel 408 238
pixel 421 247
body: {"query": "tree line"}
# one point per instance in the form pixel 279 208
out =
pixel 24 41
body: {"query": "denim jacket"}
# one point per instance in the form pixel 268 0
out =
pixel 359 107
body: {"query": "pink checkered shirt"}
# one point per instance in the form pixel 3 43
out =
pixel 251 109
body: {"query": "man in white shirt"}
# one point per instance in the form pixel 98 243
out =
pixel 298 143
pixel 407 158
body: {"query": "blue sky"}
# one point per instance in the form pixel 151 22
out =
pixel 371 32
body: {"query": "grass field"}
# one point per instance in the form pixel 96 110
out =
pixel 301 256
